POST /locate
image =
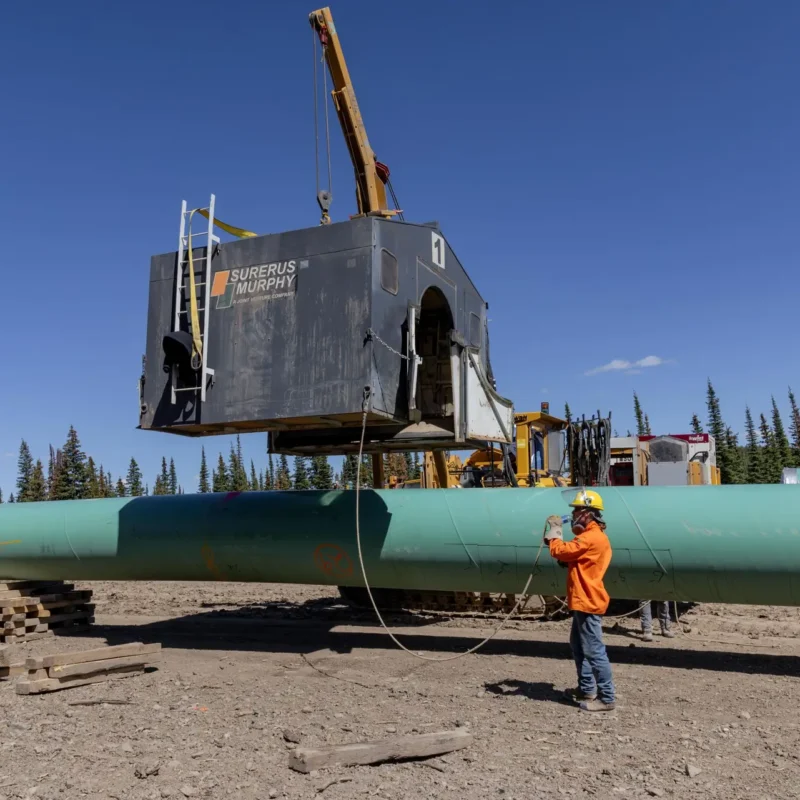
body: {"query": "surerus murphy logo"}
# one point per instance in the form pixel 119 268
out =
pixel 250 284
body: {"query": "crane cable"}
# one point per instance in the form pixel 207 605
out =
pixel 314 37
pixel 524 597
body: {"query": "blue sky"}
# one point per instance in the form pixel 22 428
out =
pixel 620 179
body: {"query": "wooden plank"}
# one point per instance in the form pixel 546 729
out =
pixel 87 612
pixel 44 591
pixel 96 654
pixel 18 625
pixel 91 667
pixel 28 637
pixel 24 686
pixel 20 603
pixel 14 671
pixel 425 745
pixel 17 585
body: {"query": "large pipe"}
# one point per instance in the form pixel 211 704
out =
pixel 715 544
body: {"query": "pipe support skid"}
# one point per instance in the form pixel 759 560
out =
pixel 732 544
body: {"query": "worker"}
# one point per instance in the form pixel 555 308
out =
pixel 587 557
pixel 646 619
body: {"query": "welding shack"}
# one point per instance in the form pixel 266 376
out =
pixel 300 332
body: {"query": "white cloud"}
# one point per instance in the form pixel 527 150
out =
pixel 629 367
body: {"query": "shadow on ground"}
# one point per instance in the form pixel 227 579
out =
pixel 299 635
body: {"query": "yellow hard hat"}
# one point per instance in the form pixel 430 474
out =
pixel 587 499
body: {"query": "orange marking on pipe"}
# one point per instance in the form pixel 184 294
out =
pixel 11 541
pixel 333 561
pixel 208 556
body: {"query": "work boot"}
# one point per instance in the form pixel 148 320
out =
pixel 577 696
pixel 667 633
pixel 647 636
pixel 597 705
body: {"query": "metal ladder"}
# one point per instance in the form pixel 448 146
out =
pixel 203 281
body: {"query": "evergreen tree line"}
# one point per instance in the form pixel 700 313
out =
pixel 307 472
pixel 72 475
pixel 767 448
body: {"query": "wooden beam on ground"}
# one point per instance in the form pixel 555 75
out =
pixel 25 686
pixel 96 654
pixel 425 745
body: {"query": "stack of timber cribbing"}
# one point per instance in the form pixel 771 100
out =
pixel 65 670
pixel 36 609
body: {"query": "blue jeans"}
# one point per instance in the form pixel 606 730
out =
pixel 591 659
pixel 646 616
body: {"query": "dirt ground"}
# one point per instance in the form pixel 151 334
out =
pixel 710 714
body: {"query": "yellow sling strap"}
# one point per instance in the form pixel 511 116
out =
pixel 240 233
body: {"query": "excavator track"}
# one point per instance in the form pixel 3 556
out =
pixel 484 604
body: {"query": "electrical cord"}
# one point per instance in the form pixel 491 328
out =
pixel 524 597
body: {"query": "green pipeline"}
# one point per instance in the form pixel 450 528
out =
pixel 732 544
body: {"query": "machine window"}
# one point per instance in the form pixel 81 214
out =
pixel 474 330
pixel 389 278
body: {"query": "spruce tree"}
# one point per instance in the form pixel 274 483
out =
pixel 409 466
pixel 92 479
pixel 755 462
pixel 24 473
pixel 162 479
pixel 397 466
pixel 736 463
pixel 254 485
pixel 641 429
pixel 221 479
pixel 647 425
pixel 205 486
pixel 717 428
pixel 261 486
pixel 270 477
pixel 349 470
pixel 37 488
pixel 416 473
pixel 772 470
pixel 110 489
pixel 301 477
pixel 237 475
pixel 133 482
pixel 11 498
pixel 783 450
pixel 567 413
pixel 697 426
pixel 71 480
pixel 367 476
pixel 101 482
pixel 321 473
pixel 794 428
pixel 283 480
pixel 1 495
pixel 172 483
pixel 53 468
pixel 122 489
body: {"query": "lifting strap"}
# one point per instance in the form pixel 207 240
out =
pixel 240 233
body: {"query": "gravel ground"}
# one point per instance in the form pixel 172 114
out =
pixel 710 714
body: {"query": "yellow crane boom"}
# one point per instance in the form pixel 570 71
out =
pixel 371 174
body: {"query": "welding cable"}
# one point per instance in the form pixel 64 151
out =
pixel 524 597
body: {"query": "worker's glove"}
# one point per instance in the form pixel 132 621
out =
pixel 554 529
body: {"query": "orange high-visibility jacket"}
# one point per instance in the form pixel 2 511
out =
pixel 587 558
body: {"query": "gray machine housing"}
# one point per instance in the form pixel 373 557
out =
pixel 308 329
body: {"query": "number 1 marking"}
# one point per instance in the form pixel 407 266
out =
pixel 437 248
